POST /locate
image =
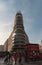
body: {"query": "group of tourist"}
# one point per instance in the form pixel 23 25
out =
pixel 14 59
pixel 17 60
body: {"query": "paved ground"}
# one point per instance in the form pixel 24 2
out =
pixel 23 64
pixel 34 63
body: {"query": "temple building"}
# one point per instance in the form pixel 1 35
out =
pixel 18 41
pixel 18 37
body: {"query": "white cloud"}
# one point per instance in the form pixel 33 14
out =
pixel 3 37
pixel 5 30
pixel 6 26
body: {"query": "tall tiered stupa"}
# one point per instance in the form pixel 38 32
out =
pixel 19 37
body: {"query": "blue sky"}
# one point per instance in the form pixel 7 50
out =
pixel 32 16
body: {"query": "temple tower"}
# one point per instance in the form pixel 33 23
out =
pixel 19 36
